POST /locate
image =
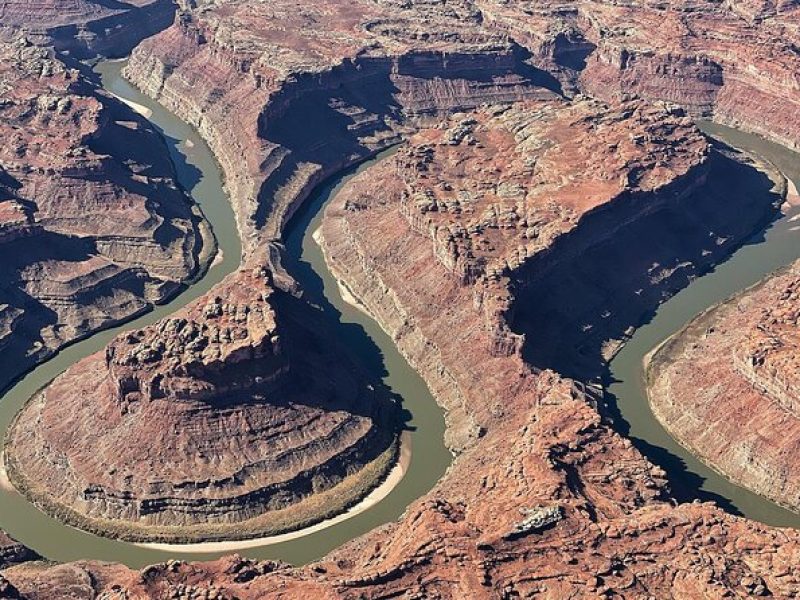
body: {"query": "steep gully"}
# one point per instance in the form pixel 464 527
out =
pixel 318 285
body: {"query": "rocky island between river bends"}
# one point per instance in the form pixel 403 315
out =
pixel 215 423
pixel 552 192
pixel 726 387
pixel 93 226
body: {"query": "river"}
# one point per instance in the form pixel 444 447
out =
pixel 199 173
pixel 764 253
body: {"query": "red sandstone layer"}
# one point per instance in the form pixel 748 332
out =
pixel 726 387
pixel 733 61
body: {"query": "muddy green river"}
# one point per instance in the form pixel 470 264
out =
pixel 765 252
pixel 199 173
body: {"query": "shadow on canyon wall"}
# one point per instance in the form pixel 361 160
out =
pixel 115 35
pixel 356 109
pixel 600 282
pixel 598 288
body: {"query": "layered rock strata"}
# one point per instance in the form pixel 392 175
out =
pixel 589 293
pixel 611 530
pixel 93 226
pixel 203 426
pixel 494 191
pixel 430 309
pixel 726 387
pixel 733 61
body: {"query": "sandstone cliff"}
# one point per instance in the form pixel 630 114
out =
pixel 286 98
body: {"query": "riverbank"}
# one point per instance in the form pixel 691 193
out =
pixel 760 256
pixel 715 361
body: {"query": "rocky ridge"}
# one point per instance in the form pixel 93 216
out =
pixel 93 226
pixel 740 355
pixel 537 170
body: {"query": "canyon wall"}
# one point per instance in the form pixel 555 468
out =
pixel 734 65
pixel 518 528
pixel 86 28
pixel 283 111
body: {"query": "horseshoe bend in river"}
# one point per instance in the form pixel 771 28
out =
pixel 429 457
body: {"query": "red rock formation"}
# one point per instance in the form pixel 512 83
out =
pixel 202 426
pixel 12 552
pixel 734 61
pixel 726 387
pixel 543 498
pixel 538 171
pixel 92 224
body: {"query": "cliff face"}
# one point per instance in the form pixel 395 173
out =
pixel 733 61
pixel 203 426
pixel 589 293
pixel 92 224
pixel 741 355
pixel 547 169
